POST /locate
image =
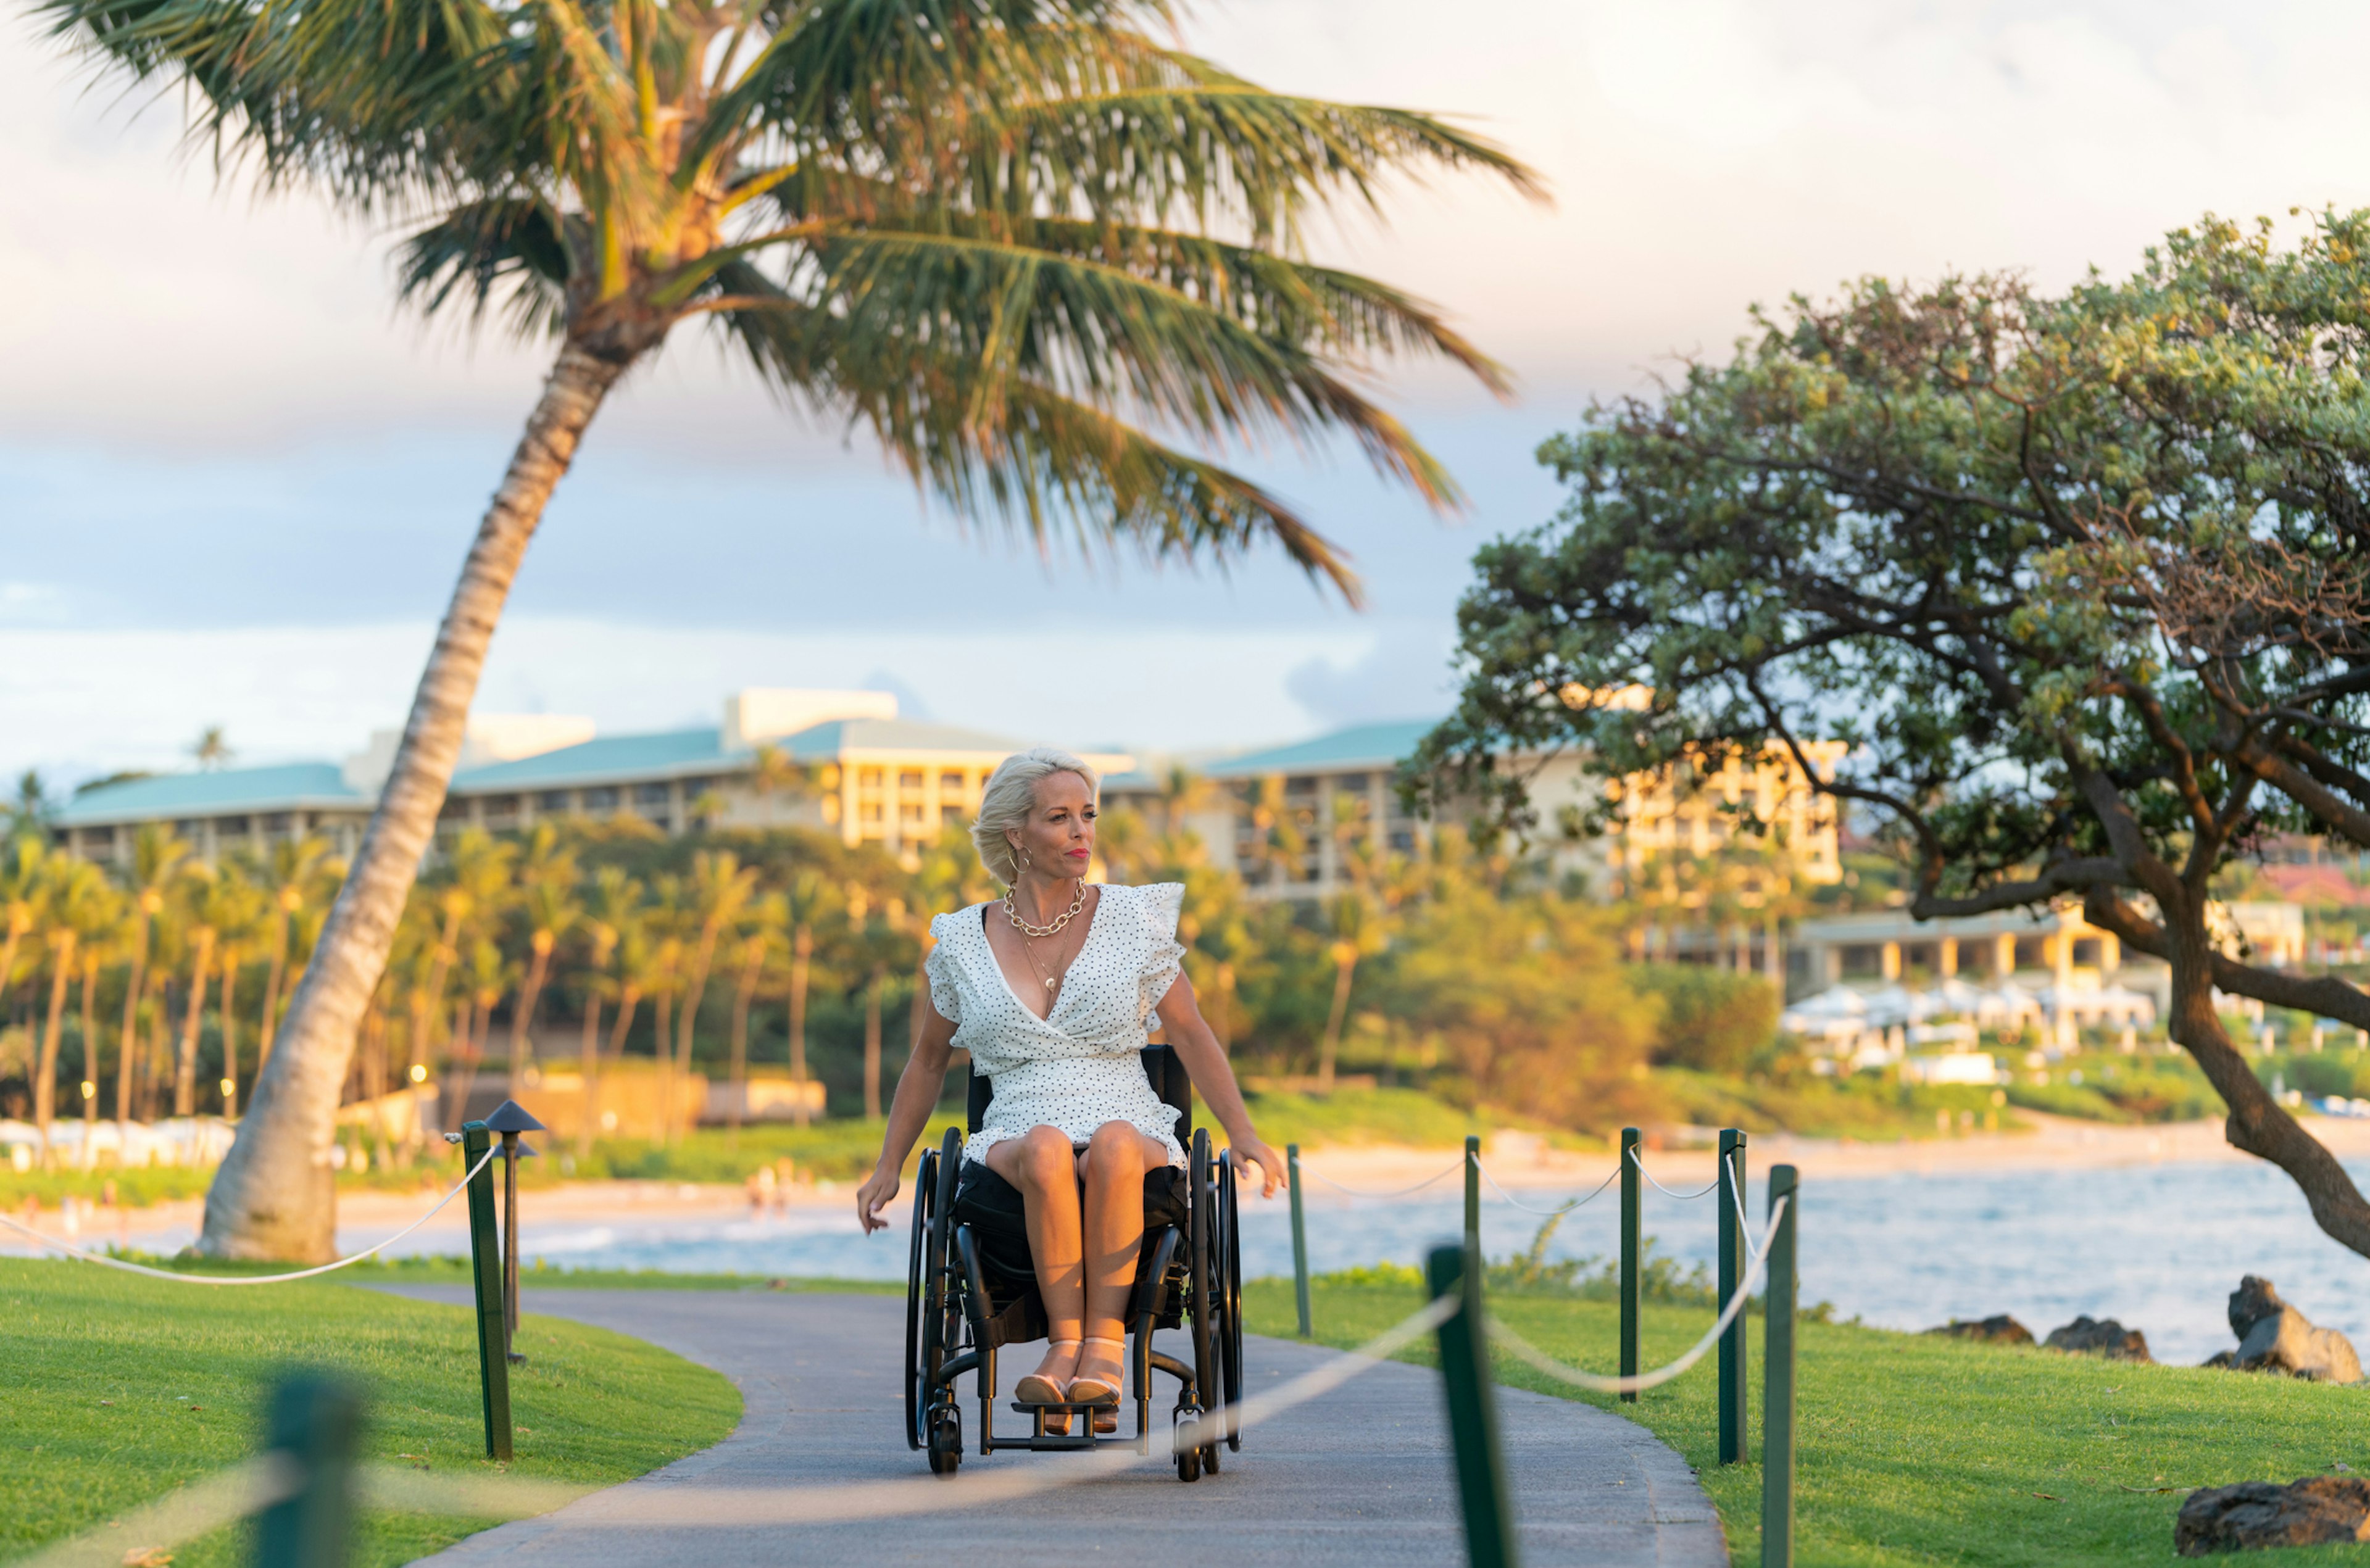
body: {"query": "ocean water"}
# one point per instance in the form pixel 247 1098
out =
pixel 2158 1246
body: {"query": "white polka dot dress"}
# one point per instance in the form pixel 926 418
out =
pixel 1076 1068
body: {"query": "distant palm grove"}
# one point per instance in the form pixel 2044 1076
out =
pixel 154 988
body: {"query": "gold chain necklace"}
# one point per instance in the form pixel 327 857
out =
pixel 1055 929
pixel 1052 981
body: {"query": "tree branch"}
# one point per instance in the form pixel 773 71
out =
pixel 2326 995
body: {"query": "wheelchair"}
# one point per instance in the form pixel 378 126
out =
pixel 968 1292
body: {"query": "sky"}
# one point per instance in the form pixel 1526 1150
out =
pixel 236 485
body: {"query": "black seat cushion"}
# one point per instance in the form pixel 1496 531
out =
pixel 996 1212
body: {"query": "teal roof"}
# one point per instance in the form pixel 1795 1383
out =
pixel 1360 746
pixel 606 760
pixel 290 786
pixel 622 758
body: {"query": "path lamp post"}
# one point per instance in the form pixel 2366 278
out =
pixel 486 1275
pixel 1633 1173
pixel 509 1119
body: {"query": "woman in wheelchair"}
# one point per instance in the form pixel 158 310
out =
pixel 1051 989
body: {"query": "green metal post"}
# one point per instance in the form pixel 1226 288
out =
pixel 1473 1198
pixel 315 1425
pixel 486 1260
pixel 1777 1398
pixel 1473 1413
pixel 1632 1244
pixel 1299 1242
pixel 1733 1402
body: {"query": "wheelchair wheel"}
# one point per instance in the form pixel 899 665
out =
pixel 1205 1295
pixel 1230 1295
pixel 946 1440
pixel 916 1285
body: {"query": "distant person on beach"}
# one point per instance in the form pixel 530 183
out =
pixel 1050 989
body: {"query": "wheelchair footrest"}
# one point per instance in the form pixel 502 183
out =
pixel 1106 1407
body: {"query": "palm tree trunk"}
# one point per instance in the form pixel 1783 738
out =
pixel 89 1087
pixel 1343 968
pixel 45 1076
pixel 521 1022
pixel 274 1196
pixel 742 994
pixel 801 954
pixel 271 986
pixel 160 1037
pixel 228 1006
pixel 872 1048
pixel 589 1054
pixel 662 1047
pixel 127 1044
pixel 185 1072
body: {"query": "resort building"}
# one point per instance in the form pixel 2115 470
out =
pixel 842 761
pixel 1287 818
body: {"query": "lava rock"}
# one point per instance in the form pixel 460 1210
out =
pixel 2255 1299
pixel 1999 1329
pixel 2315 1511
pixel 2100 1336
pixel 2275 1337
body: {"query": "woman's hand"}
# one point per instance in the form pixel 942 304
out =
pixel 878 1191
pixel 1271 1164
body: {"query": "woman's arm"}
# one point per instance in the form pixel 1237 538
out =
pixel 918 1088
pixel 1196 1045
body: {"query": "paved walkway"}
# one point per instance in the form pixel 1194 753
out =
pixel 1358 1476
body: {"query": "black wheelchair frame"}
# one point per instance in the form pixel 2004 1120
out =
pixel 959 1312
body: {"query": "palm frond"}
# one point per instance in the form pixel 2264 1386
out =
pixel 512 250
pixel 1047 466
pixel 1097 333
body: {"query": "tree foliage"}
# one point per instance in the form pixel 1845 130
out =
pixel 2078 579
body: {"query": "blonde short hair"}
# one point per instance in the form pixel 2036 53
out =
pixel 1008 798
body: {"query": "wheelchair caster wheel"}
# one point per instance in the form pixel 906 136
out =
pixel 946 1442
pixel 1188 1457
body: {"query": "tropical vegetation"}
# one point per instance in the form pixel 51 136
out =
pixel 2075 579
pixel 1049 259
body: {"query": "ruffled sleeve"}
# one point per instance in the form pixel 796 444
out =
pixel 1164 957
pixel 940 966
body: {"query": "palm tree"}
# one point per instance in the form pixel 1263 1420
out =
pixel 767 917
pixel 23 870
pixel 550 878
pixel 29 815
pixel 614 915
pixel 157 858
pixel 993 230
pixel 718 890
pixel 809 895
pixel 289 871
pixel 212 749
pixel 75 907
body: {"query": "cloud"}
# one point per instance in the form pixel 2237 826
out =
pixel 1403 674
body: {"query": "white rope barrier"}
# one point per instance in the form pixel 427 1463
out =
pixel 106 1262
pixel 228 1495
pixel 1532 1356
pixel 1401 1192
pixel 1526 1208
pixel 151 1531
pixel 1639 1162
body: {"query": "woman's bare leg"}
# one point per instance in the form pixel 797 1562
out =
pixel 1112 1166
pixel 1041 1163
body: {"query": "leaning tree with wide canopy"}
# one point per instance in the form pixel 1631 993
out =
pixel 2082 582
pixel 1051 260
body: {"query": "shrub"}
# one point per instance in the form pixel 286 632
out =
pixel 1713 1020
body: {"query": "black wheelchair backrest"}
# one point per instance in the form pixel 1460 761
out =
pixel 1160 1066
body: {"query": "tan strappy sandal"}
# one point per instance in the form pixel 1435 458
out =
pixel 1101 1390
pixel 1036 1389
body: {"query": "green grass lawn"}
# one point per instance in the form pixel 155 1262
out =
pixel 1919 1450
pixel 120 1389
